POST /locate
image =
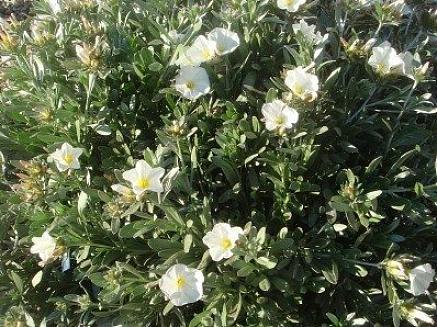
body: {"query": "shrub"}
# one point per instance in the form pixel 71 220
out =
pixel 218 163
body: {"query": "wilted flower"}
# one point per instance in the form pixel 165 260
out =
pixel 308 32
pixel 127 194
pixel 67 157
pixel 384 59
pixel 410 312
pixel 412 67
pixel 278 116
pixel 192 82
pixel 226 41
pixel 420 278
pixel 39 33
pixel 55 6
pixel 144 178
pixel 182 285
pixel 221 240
pixel 397 7
pixel 366 3
pixel 7 41
pixel 396 270
pixel 43 114
pixel 45 247
pixel 302 84
pixel 90 56
pixel 202 50
pixel 172 37
pixel 290 5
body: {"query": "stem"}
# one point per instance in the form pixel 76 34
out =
pixel 180 152
pixel 363 106
pixel 369 264
pixel 398 119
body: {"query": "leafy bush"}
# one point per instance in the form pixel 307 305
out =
pixel 219 163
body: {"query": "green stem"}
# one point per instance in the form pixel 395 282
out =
pixel 369 264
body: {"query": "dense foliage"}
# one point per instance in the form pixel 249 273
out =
pixel 337 207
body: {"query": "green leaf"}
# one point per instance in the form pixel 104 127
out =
pixel 373 195
pixel 82 203
pixel 158 244
pixel 264 284
pixel 37 278
pixel 373 165
pixel 17 281
pixel 331 274
pixel 188 240
pixel 269 263
pixel 246 270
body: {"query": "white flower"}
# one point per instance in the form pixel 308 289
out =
pixel 302 84
pixel 420 279
pixel 183 60
pixel 308 32
pixel 412 66
pixel 202 50
pixel 67 157
pixel 192 82
pixel 290 5
pixel 384 59
pixel 226 40
pixel 278 116
pixel 182 285
pixel 145 178
pixel 45 247
pixel 221 240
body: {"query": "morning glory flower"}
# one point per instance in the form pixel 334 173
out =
pixel 221 240
pixel 226 41
pixel 420 278
pixel 144 178
pixel 384 59
pixel 192 82
pixel 278 116
pixel 290 5
pixel 308 32
pixel 44 247
pixel 67 157
pixel 202 50
pixel 302 84
pixel 182 285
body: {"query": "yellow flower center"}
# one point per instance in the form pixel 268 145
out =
pixel 68 158
pixel 226 244
pixel 298 89
pixel 180 282
pixel 280 120
pixel 190 85
pixel 206 54
pixel 289 2
pixel 381 68
pixel 143 183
